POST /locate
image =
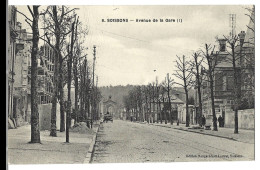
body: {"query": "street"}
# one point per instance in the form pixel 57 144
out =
pixel 128 142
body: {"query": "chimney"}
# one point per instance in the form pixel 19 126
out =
pixel 241 36
pixel 222 44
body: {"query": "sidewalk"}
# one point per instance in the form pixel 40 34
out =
pixel 246 136
pixel 52 150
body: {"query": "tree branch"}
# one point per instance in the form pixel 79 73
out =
pixel 24 15
pixel 30 11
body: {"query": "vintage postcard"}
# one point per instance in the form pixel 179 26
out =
pixel 93 84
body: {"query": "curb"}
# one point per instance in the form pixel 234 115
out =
pixel 89 155
pixel 198 132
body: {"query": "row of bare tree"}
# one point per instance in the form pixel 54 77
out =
pixel 65 34
pixel 191 72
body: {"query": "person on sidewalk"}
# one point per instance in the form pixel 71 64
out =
pixel 203 120
pixel 222 121
pixel 219 121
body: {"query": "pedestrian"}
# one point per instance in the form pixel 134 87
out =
pixel 220 121
pixel 203 120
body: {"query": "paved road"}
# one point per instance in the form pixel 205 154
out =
pixel 128 142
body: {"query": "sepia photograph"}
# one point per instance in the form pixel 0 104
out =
pixel 95 84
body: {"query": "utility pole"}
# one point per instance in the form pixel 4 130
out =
pixel 93 85
pixel 97 109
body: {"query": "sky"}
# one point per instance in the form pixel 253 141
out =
pixel 130 52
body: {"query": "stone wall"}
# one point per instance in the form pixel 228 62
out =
pixel 181 109
pixel 246 119
pixel 45 116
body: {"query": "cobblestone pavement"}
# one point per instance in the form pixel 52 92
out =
pixel 128 142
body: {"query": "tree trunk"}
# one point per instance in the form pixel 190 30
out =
pixel 35 129
pixel 160 110
pixel 198 87
pixel 68 117
pixel 170 109
pixel 55 75
pixel 150 113
pixel 68 114
pixel 237 92
pixel 169 98
pixel 215 127
pixel 164 113
pixel 186 92
pixel 200 106
pixel 76 90
pixel 62 115
pixel 81 95
pixel 157 112
pixel 187 107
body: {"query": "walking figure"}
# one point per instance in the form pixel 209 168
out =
pixel 203 120
pixel 220 121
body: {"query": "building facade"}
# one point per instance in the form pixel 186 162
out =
pixel 224 78
pixel 12 35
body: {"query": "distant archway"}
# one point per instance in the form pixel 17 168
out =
pixel 109 106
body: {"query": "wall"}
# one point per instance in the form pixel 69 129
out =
pixel 246 119
pixel 182 114
pixel 45 116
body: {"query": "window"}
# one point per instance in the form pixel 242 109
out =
pixel 218 82
pixel 224 83
pixel 24 80
pixel 230 83
pixel 42 99
pixel 222 47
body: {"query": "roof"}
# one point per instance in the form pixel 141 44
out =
pixel 224 59
pixel 174 99
pixel 109 101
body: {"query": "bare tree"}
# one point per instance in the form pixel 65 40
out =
pixel 160 95
pixel 212 61
pixel 150 99
pixel 162 102
pixel 183 73
pixel 146 101
pixel 35 129
pixel 251 16
pixel 34 24
pixel 78 50
pixel 233 44
pixel 167 85
pixel 196 64
pixel 69 63
pixel 157 99
pixel 247 52
pixel 57 20
pixel 236 73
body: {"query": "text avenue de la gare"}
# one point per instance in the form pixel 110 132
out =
pixel 140 20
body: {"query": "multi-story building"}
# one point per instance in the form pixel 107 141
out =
pixel 45 69
pixel 21 75
pixel 21 106
pixel 12 34
pixel 224 77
